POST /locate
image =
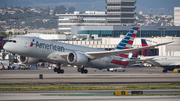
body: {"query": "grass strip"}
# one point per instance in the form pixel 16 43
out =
pixel 58 86
pixel 93 94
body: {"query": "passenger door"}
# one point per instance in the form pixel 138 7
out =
pixel 25 43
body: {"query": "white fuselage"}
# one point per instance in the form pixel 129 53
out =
pixel 163 60
pixel 42 49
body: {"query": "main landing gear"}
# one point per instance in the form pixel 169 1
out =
pixel 82 70
pixel 59 70
pixel 165 71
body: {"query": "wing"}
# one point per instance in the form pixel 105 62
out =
pixel 101 54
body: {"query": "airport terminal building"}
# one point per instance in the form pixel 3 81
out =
pixel 117 31
pixel 118 13
pixel 89 18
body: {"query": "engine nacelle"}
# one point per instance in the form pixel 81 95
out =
pixel 28 60
pixel 77 58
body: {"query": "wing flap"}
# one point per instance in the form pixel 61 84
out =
pixel 58 56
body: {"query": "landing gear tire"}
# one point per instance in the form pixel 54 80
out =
pixel 79 69
pixel 55 69
pixel 178 71
pixel 60 71
pixel 85 71
pixel 164 71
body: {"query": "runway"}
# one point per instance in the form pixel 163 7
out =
pixel 90 98
pixel 132 75
pixel 43 96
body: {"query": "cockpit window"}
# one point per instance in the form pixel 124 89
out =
pixel 14 41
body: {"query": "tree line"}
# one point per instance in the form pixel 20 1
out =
pixel 34 19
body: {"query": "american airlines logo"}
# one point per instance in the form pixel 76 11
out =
pixel 47 46
pixel 32 43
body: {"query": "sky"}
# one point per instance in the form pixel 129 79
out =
pixel 147 6
pixel 156 6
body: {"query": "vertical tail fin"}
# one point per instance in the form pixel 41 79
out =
pixel 146 52
pixel 2 66
pixel 127 42
pixel 135 54
pixel 1 38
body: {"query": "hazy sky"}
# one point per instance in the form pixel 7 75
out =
pixel 157 6
pixel 147 6
pixel 169 4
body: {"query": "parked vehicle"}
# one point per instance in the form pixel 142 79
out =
pixel 120 69
pixel 50 67
pixel 22 66
pixel 137 65
pixel 13 66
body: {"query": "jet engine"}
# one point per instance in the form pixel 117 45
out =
pixel 77 58
pixel 28 60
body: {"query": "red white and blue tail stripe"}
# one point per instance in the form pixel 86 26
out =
pixel 127 42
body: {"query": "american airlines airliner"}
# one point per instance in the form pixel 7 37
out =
pixel 32 50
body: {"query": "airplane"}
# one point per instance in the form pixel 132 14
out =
pixel 1 63
pixel 32 50
pixel 169 63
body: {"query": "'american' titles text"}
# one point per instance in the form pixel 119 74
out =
pixel 49 46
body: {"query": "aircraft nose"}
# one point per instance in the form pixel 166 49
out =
pixel 6 47
pixel 10 47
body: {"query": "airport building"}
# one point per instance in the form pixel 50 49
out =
pixel 177 16
pixel 89 18
pixel 26 30
pixel 117 31
pixel 121 12
pixel 118 12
